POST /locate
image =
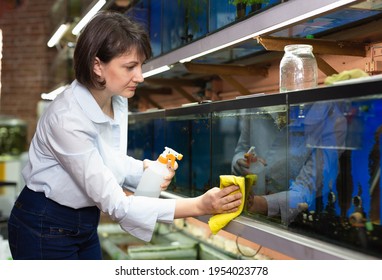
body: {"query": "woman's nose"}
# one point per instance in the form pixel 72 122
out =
pixel 138 77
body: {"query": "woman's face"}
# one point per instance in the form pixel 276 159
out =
pixel 122 74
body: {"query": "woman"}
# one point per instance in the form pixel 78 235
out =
pixel 77 157
pixel 297 173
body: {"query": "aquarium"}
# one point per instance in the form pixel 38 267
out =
pixel 344 139
pixel 310 158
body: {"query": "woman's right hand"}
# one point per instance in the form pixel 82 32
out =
pixel 216 201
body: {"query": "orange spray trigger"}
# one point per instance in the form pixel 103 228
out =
pixel 172 155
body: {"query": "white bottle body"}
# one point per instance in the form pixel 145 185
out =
pixel 152 179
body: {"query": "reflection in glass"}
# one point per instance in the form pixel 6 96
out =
pixel 264 129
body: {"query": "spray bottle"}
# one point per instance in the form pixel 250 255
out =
pixel 255 163
pixel 256 166
pixel 154 174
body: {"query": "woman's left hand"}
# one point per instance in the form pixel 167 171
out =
pixel 168 177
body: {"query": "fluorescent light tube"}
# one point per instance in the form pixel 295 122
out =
pixel 187 59
pixel 310 14
pixel 156 71
pixel 77 29
pixel 56 37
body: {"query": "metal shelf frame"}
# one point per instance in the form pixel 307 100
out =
pixel 278 17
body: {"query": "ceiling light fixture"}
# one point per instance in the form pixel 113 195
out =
pixel 156 71
pixel 77 29
pixel 56 37
pixel 274 27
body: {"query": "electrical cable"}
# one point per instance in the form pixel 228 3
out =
pixel 241 252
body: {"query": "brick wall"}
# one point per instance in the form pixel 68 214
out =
pixel 26 27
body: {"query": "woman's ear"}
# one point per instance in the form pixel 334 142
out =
pixel 97 67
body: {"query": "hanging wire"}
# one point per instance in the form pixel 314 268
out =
pixel 241 252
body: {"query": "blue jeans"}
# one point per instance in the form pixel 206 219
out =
pixel 41 229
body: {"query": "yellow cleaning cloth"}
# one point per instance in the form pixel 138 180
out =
pixel 345 75
pixel 218 221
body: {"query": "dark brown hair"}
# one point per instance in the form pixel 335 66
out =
pixel 107 36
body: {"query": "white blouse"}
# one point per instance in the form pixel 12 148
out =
pixel 77 157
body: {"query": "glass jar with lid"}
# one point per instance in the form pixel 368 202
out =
pixel 298 68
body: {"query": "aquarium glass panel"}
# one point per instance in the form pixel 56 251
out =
pixel 252 143
pixel 190 136
pixel 146 137
pixel 334 171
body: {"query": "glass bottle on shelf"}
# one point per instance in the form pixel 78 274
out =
pixel 298 68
